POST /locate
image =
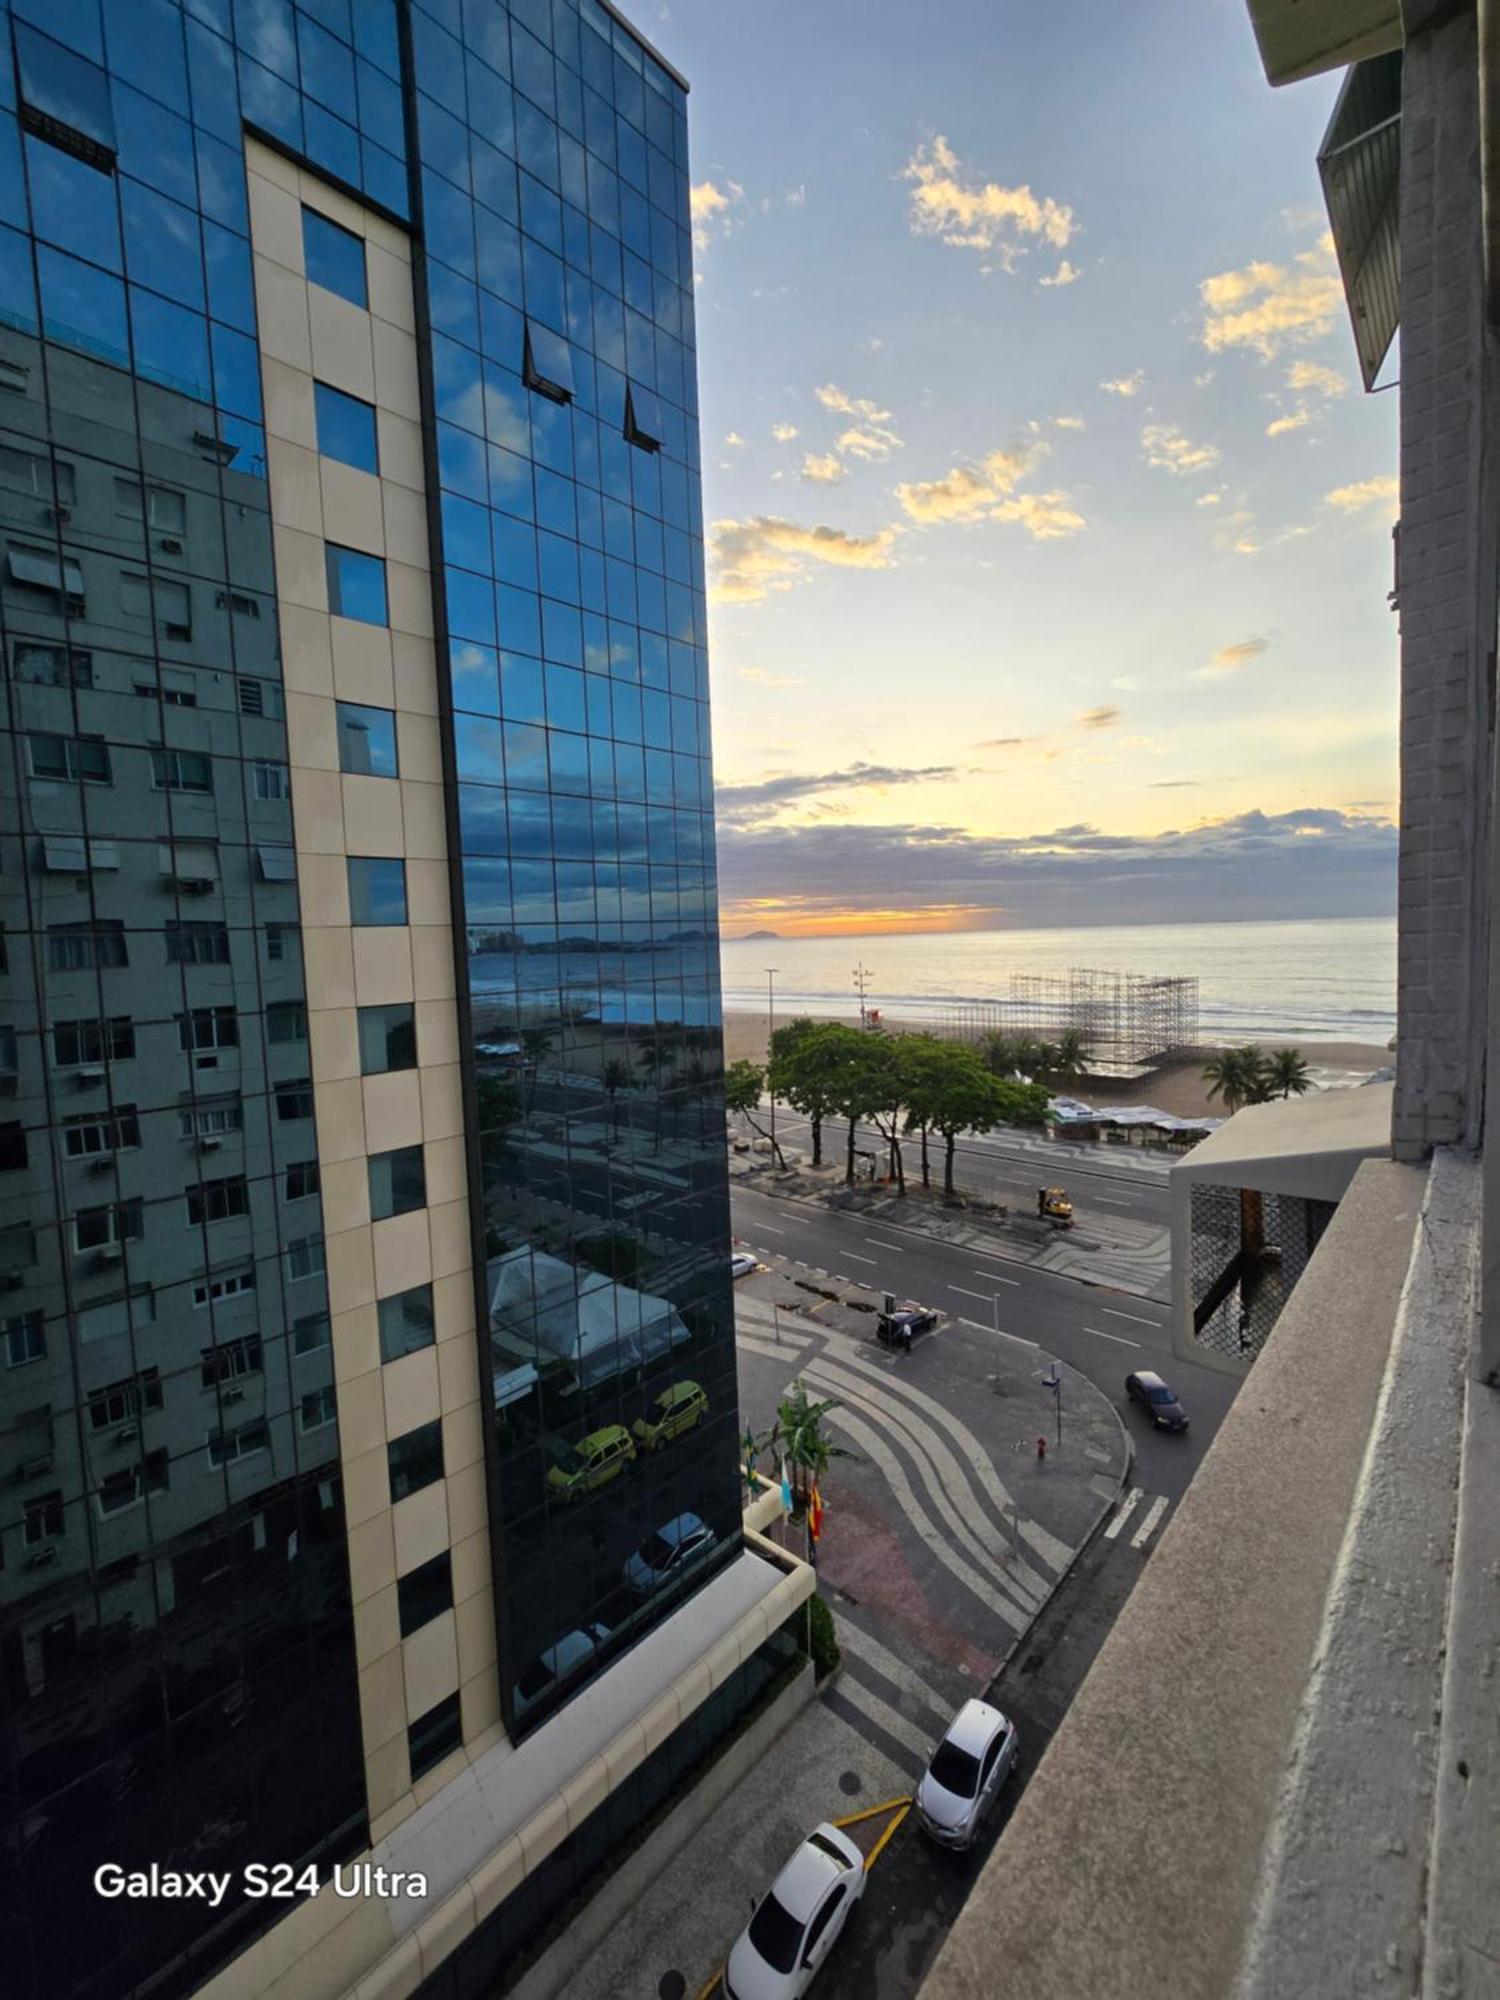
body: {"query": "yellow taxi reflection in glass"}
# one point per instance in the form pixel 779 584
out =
pixel 593 1462
pixel 675 1410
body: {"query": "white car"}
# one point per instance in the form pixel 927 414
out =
pixel 796 1922
pixel 741 1264
pixel 571 1650
pixel 964 1777
pixel 667 1553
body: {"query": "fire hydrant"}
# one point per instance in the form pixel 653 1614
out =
pixel 1041 1448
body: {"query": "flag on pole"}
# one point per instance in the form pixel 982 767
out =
pixel 786 1489
pixel 815 1513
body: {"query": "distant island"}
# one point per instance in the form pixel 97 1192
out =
pixel 755 937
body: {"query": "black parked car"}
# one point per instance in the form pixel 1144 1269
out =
pixel 1159 1402
pixel 898 1328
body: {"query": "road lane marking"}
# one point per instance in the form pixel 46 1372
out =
pixel 1114 1200
pixel 1115 1313
pixel 899 1250
pixel 985 1327
pixel 970 1295
pixel 995 1277
pixel 1153 1514
pixel 1103 1333
pixel 1132 1501
pixel 855 1258
pixel 770 1229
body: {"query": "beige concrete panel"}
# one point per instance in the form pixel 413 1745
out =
pixel 340 1109
pixel 330 201
pixel 352 511
pixel 453 1302
pixel 431 1658
pixel 448 1227
pixel 625 1754
pixel 419 748
pixel 463 1437
pixel 351 1270
pixel 323 890
pixel 290 410
pixel 590 1788
pixel 411 1391
pixel 296 493
pixel 361 1403
pixel 382 1701
pixel 439 1777
pixel 362 1937
pixel 333 1034
pixel 389 279
pixel 382 965
pixel 346 1195
pixel 432 958
pixel 409 598
pixel 312 736
pixel 416 671
pixel 341 354
pixel 400 442
pixel 395 370
pixel 425 827
pixel 272 166
pixel 399 1973
pixel 403 1256
pixel 389 237
pixel 275 222
pixel 317 811
pixel 328 967
pixel 393 1109
pixel 474 1622
pixel 547 1828
pixel 301 574
pixel 445 1930
pixel 437 1032
pixel 661 1719
pixel 406 526
pixel 281 310
pixel 362 663
pixel 458 1378
pixel 472 1578
pixel 467 1513
pixel 497 1877
pixel 447 1173
pixel 377 1626
pixel 372 814
pixel 372 1556
pixel 442 1102
pixel 306 653
pixel 367 1487
pixel 388 1786
pixel 420 1525
pixel 356 1342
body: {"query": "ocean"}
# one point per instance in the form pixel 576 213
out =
pixel 1333 980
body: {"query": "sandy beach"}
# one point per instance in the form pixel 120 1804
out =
pixel 1178 1088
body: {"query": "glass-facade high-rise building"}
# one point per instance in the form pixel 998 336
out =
pixel 368 1482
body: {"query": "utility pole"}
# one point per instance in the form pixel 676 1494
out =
pixel 771 971
pixel 861 984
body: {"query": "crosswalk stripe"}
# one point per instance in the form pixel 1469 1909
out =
pixel 858 1645
pixel 1049 1548
pixel 886 1718
pixel 1152 1515
pixel 1132 1500
pixel 940 1474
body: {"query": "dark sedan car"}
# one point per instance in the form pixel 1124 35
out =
pixel 1159 1402
pixel 896 1329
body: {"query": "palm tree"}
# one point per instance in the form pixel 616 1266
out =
pixel 798 1436
pixel 1238 1076
pixel 999 1054
pixel 1030 1055
pixel 1070 1056
pixel 1286 1070
pixel 614 1076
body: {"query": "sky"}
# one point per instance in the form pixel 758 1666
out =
pixel 1048 523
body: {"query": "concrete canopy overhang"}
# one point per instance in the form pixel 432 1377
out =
pixel 1300 38
pixel 1310 1146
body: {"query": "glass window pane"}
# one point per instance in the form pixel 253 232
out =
pixel 387 1039
pixel 367 740
pixel 377 890
pixel 406 1322
pixel 356 585
pixel 346 428
pixel 415 1460
pixel 335 258
pixel 61 88
pixel 398 1182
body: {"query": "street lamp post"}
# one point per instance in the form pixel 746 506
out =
pixel 771 972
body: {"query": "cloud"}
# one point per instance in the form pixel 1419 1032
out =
pixel 1315 861
pixel 713 209
pixel 784 433
pixel 796 197
pixel 734 438
pixel 1125 385
pixel 1174 784
pixel 1208 500
pixel 1295 420
pixel 1267 307
pixel 826 470
pixel 767 553
pixel 834 398
pixel 870 441
pixel 1171 450
pixel 1236 532
pixel 1002 742
pixel 971 215
pixel 1384 491
pixel 986 491
pixel 1070 423
pixel 1065 274
pixel 1230 659
pixel 1312 378
pixel 1098 718
pixel 743 805
pixel 762 679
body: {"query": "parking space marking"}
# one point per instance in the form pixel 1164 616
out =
pixel 1132 1500
pixel 1103 1333
pixel 879 1245
pixel 1153 1514
pixel 1115 1313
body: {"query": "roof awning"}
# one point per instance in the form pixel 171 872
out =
pixel 43 572
pixel 277 864
pixel 1300 38
pixel 189 860
pixel 1360 165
